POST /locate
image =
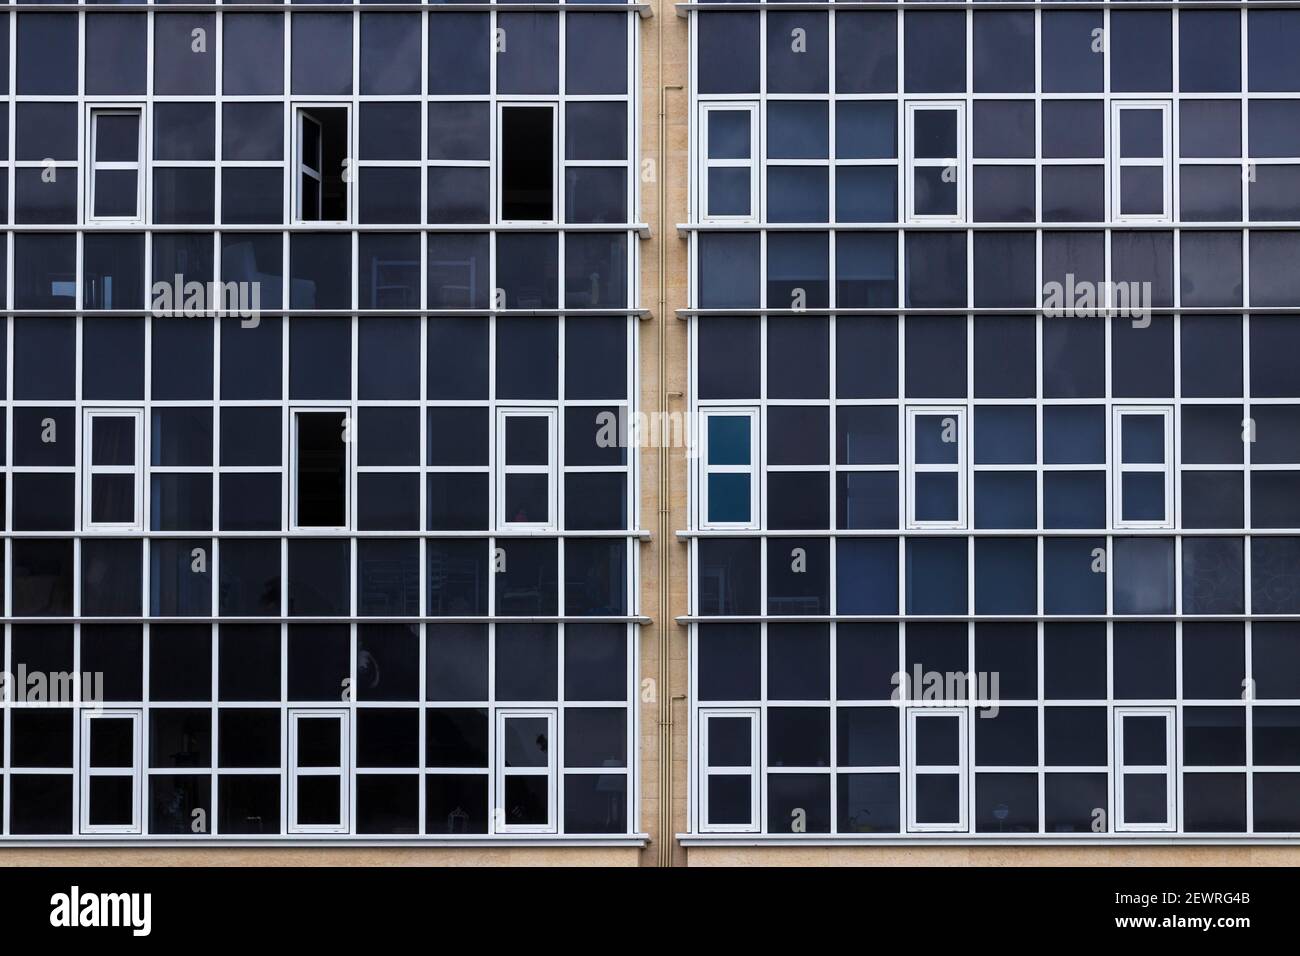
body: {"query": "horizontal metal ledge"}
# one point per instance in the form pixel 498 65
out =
pixel 685 8
pixel 978 839
pixel 217 842
pixel 639 535
pixel 687 535
pixel 643 9
pixel 685 229
pixel 344 620
pixel 977 618
pixel 326 313
pixel 960 311
pixel 316 228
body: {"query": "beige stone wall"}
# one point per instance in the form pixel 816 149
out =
pixel 664 179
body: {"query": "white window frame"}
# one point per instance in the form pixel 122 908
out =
pixel 550 469
pixel 501 771
pixel 753 770
pixel 499 161
pixel 349 452
pixel 135 771
pixel 1169 769
pixel 1119 163
pixel 707 162
pixel 961 770
pixel 707 468
pixel 93 164
pixel 958 413
pixel 911 163
pixel 90 470
pixel 343 771
pixel 302 114
pixel 1120 469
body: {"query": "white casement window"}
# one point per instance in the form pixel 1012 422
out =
pixel 729 770
pixel 1145 777
pixel 525 771
pixel 1143 472
pixel 728 174
pixel 114 180
pixel 526 469
pixel 323 163
pixel 936 467
pixel 111 770
pixel 938 746
pixel 319 770
pixel 527 171
pixel 729 465
pixel 936 161
pixel 321 468
pixel 1141 170
pixel 113 469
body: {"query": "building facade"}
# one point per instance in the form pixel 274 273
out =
pixel 634 433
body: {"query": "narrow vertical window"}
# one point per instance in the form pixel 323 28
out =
pixel 525 771
pixel 729 792
pixel 527 163
pixel 936 464
pixel 729 485
pixel 114 187
pixel 318 771
pixel 323 161
pixel 936 161
pixel 112 469
pixel 110 771
pixel 729 147
pixel 526 490
pixel 937 748
pixel 320 469
pixel 1144 767
pixel 1142 169
pixel 1144 474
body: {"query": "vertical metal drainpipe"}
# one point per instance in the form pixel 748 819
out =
pixel 664 531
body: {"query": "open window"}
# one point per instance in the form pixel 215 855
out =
pixel 937 754
pixel 322 164
pixel 114 184
pixel 1144 769
pixel 729 770
pixel 728 168
pixel 321 466
pixel 526 160
pixel 525 771
pixel 318 770
pixel 1143 472
pixel 729 483
pixel 112 469
pixel 1142 169
pixel 936 161
pixel 526 458
pixel 936 467
pixel 111 770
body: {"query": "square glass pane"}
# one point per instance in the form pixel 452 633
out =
pixel 729 498
pixel 112 499
pixel 935 191
pixel 527 499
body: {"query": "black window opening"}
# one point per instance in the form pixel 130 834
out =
pixel 527 164
pixel 322 165
pixel 322 469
